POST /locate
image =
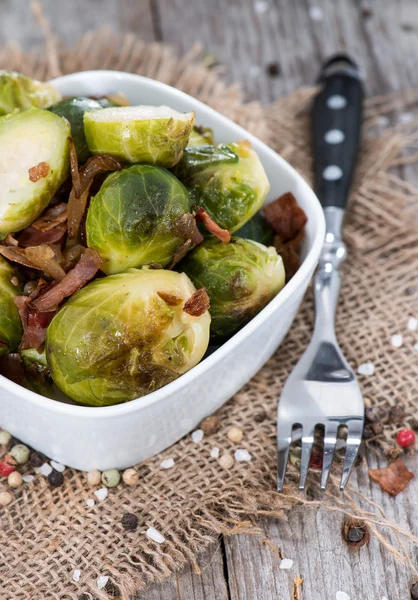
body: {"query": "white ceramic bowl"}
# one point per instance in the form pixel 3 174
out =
pixel 126 434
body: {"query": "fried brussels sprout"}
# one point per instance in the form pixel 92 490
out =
pixel 155 135
pixel 124 336
pixel 19 91
pixel 10 324
pixel 73 110
pixel 240 278
pixel 37 377
pixel 227 180
pixel 139 216
pixel 257 229
pixel 201 135
pixel 34 163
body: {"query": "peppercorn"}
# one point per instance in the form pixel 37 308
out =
pixel 397 413
pixel 94 477
pixel 414 591
pixel 316 459
pixel 235 434
pixel 377 428
pixel 226 461
pixel 356 533
pixel 405 438
pixel 5 498
pixel 368 431
pixel 273 69
pixel 366 12
pixel 375 413
pixel 5 437
pixel 129 521
pixel 36 460
pixel 210 425
pixel 130 477
pixel 260 417
pixel 392 453
pixel 111 478
pixel 15 479
pixel 55 478
pixel 21 453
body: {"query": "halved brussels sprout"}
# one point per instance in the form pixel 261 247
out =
pixel 34 163
pixel 240 278
pixel 155 135
pixel 10 324
pixel 257 229
pixel 201 135
pixel 124 336
pixel 73 110
pixel 19 91
pixel 227 180
pixel 139 216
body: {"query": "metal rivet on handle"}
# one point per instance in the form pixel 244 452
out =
pixel 334 136
pixel 337 101
pixel 332 173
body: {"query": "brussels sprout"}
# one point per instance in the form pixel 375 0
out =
pixel 19 91
pixel 73 110
pixel 257 229
pixel 139 216
pixel 37 377
pixel 240 278
pixel 155 135
pixel 228 181
pixel 10 324
pixel 34 162
pixel 118 338
pixel 200 136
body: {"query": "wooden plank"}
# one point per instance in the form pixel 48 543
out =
pixel 69 20
pixel 186 585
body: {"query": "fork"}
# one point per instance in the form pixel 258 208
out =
pixel 322 389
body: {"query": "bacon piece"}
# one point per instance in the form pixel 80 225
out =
pixel 285 216
pixel 197 304
pixel 74 280
pixel 39 171
pixel 17 255
pixel 392 479
pixel 11 367
pixel 77 202
pixel 180 253
pixel 291 260
pixel 51 217
pixel 222 234
pixel 32 236
pixel 43 258
pixel 75 174
pixel 170 299
pixel 34 323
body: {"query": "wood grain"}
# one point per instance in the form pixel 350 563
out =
pixel 382 35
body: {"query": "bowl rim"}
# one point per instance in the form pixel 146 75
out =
pixel 280 299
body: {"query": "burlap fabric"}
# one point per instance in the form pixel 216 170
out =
pixel 46 535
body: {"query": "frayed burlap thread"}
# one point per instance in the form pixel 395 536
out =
pixel 47 534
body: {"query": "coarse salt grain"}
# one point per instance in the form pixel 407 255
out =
pixel 27 478
pixel 167 463
pixel 58 466
pixel 396 340
pixel 254 71
pixel 90 502
pixel 197 436
pixel 155 535
pixel 76 575
pixel 102 581
pixel 44 469
pixel 412 324
pixel 242 455
pixel 384 598
pixel 101 494
pixel 382 121
pixel 366 369
pixel 214 453
pixel 286 563
pixel 406 117
pixel 342 596
pixel 316 13
pixel 261 6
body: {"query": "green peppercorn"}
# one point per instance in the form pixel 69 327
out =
pixel 111 478
pixel 20 453
pixel 5 438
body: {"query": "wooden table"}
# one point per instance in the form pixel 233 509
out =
pixel 295 36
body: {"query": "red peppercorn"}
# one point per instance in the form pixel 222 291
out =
pixel 6 468
pixel 405 438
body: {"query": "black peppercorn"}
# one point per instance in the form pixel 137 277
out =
pixel 129 521
pixel 375 413
pixel 273 69
pixel 414 591
pixel 356 533
pixel 397 413
pixel 366 13
pixel 55 478
pixel 260 417
pixel 36 460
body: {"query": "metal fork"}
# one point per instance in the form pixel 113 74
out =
pixel 322 389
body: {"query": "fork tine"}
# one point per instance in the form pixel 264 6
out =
pixel 330 439
pixel 355 430
pixel 284 438
pixel 307 443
